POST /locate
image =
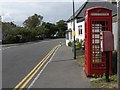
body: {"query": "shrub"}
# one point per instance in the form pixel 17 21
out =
pixel 78 46
pixel 77 40
pixel 70 43
pixel 78 43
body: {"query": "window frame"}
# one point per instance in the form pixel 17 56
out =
pixel 80 30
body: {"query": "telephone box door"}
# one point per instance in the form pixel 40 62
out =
pixel 98 57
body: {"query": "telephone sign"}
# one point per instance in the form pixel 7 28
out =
pixel 99 14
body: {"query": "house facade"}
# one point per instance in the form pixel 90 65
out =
pixel 80 20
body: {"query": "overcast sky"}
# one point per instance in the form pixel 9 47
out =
pixel 19 10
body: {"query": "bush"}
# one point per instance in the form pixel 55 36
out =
pixel 78 43
pixel 70 43
pixel 77 40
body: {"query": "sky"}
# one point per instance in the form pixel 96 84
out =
pixel 18 11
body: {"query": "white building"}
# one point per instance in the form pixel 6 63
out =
pixel 80 20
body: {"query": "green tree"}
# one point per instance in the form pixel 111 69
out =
pixel 40 32
pixel 33 21
pixel 62 27
pixel 9 32
pixel 49 29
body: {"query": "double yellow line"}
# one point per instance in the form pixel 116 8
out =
pixel 27 79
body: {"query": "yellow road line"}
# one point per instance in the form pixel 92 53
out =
pixel 35 68
pixel 31 71
pixel 27 81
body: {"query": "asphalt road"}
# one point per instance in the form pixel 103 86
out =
pixel 19 60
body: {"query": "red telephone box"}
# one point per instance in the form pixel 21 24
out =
pixel 97 19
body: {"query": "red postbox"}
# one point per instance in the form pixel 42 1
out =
pixel 107 41
pixel 97 20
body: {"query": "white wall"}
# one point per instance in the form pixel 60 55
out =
pixel 115 30
pixel 81 36
pixel 70 25
pixel 67 41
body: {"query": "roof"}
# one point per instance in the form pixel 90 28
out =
pixel 79 14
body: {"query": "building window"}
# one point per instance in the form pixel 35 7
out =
pixel 80 30
pixel 67 35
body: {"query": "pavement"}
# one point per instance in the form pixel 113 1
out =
pixel 62 72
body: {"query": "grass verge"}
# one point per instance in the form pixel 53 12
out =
pixel 100 82
pixel 80 60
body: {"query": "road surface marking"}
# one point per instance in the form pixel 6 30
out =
pixel 33 69
pixel 35 72
pixel 42 70
pixel 26 80
pixel 4 48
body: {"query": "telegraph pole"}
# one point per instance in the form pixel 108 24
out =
pixel 118 44
pixel 0 53
pixel 74 30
